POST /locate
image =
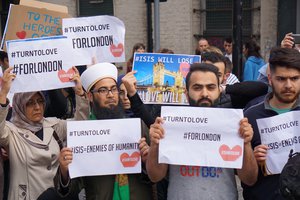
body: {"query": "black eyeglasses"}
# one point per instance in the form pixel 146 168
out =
pixel 105 91
pixel 31 103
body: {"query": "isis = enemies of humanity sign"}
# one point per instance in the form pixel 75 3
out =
pixel 280 133
pixel 103 147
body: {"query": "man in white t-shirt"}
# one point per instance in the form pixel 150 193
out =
pixel 195 182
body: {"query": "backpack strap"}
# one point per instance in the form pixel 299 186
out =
pixel 60 144
pixel 291 154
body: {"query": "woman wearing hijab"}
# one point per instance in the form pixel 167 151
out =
pixel 33 141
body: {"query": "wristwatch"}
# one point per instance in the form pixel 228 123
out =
pixel 4 105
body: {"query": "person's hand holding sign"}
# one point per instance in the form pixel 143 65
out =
pixel 144 148
pixel 157 171
pixel 78 86
pixel 260 153
pixel 7 79
pixel 246 131
pixel 65 158
pixel 156 131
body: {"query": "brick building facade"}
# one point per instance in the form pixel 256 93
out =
pixel 182 22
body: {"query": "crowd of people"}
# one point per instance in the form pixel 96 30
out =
pixel 33 130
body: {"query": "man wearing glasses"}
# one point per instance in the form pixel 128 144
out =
pixel 100 84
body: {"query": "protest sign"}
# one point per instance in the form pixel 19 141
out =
pixel 281 134
pixel 103 147
pixel 99 37
pixel 161 77
pixel 32 22
pixel 41 63
pixel 197 136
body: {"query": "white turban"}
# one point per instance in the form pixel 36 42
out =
pixel 96 72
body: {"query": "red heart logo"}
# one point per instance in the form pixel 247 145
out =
pixel 65 76
pixel 230 154
pixel 130 161
pixel 117 51
pixel 21 34
pixel 184 68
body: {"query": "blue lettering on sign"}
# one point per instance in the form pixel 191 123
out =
pixel 42 24
pixel 205 172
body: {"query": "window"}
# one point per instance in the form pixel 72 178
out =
pixel 95 7
pixel 219 17
pixel 216 20
pixel 287 18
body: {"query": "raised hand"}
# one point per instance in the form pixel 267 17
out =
pixel 288 41
pixel 156 131
pixel 246 131
pixel 7 79
pixel 129 81
pixel 78 86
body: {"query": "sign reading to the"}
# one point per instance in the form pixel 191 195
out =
pixel 31 22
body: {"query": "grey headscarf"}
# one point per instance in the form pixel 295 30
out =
pixel 18 112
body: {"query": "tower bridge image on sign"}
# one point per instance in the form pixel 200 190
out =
pixel 162 86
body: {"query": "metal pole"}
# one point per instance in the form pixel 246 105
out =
pixel 156 26
pixel 149 27
pixel 237 56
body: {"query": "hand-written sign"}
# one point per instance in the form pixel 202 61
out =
pixel 192 137
pixel 281 134
pixel 161 77
pixel 41 63
pixel 30 22
pixel 100 37
pixel 103 147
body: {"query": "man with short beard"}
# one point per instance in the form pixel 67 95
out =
pixel 236 95
pixel 100 83
pixel 284 78
pixel 202 90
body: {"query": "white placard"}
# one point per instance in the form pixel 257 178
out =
pixel 100 37
pixel 201 137
pixel 103 147
pixel 280 133
pixel 41 63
